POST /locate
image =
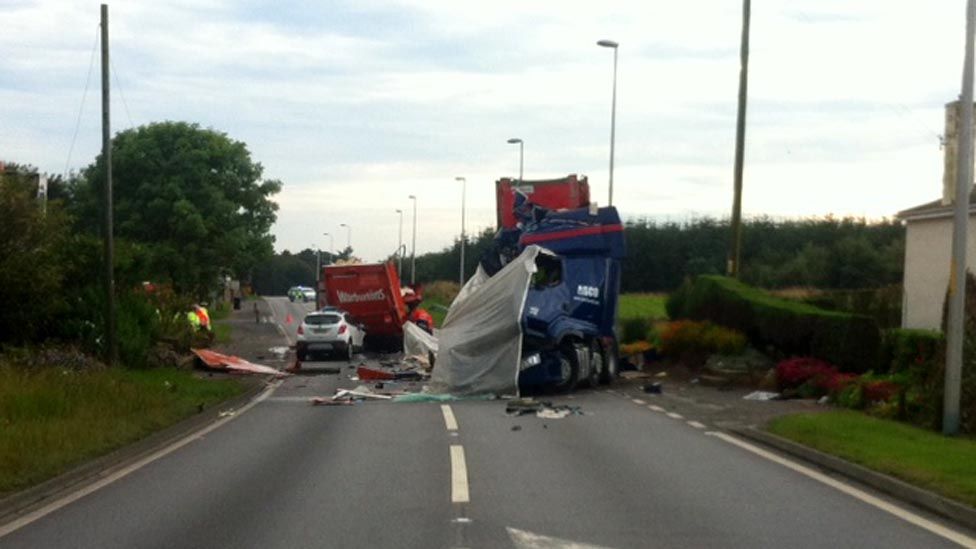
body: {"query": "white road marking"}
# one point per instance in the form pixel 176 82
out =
pixel 895 510
pixel 459 475
pixel 638 401
pixel 95 486
pixel 528 540
pixel 675 415
pixel 655 408
pixel 449 420
pixel 696 425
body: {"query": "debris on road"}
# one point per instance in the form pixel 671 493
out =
pixel 227 413
pixel 653 388
pixel 219 361
pixel 322 401
pixel 542 409
pixel 761 395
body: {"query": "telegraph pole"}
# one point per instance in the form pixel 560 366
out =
pixel 960 225
pixel 735 251
pixel 107 158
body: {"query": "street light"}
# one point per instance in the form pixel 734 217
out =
pixel 400 247
pixel 413 247
pixel 348 235
pixel 331 247
pixel 513 141
pixel 464 188
pixel 613 109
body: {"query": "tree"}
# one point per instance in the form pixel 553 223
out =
pixel 193 197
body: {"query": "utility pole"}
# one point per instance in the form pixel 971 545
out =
pixel 960 226
pixel 464 185
pixel 735 251
pixel 400 247
pixel 413 246
pixel 107 158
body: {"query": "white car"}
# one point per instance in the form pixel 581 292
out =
pixel 331 332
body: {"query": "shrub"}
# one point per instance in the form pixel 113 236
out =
pixel 691 342
pixel 911 350
pixel 884 304
pixel 634 329
pixel 795 372
pixel 850 341
pixel 635 348
pixel 442 291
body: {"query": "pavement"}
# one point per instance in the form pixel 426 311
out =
pixel 635 470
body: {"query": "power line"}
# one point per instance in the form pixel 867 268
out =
pixel 121 95
pixel 81 108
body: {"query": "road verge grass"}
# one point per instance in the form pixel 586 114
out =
pixel 52 418
pixel 923 458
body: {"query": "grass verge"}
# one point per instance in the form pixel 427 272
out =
pixel 650 306
pixel 52 419
pixel 923 458
pixel 222 332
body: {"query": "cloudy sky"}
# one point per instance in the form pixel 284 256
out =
pixel 356 105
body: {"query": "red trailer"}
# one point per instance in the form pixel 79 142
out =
pixel 371 293
pixel 555 194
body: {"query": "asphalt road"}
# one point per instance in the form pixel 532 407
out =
pixel 286 474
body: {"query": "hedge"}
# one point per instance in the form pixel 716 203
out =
pixel 849 341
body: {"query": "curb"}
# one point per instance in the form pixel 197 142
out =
pixel 930 501
pixel 30 499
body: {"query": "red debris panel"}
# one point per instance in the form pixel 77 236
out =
pixel 372 374
pixel 220 361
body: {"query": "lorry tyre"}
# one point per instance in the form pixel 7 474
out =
pixel 349 351
pixel 611 363
pixel 569 366
pixel 597 364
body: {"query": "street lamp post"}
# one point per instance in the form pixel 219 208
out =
pixel 413 246
pixel 517 140
pixel 613 109
pixel 464 186
pixel 348 235
pixel 331 247
pixel 400 247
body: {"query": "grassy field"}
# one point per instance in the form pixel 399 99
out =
pixel 642 306
pixel 926 459
pixel 52 419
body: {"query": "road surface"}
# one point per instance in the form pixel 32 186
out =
pixel 285 474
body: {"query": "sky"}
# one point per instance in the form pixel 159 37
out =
pixel 356 105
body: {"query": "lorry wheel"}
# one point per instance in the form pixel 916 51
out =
pixel 569 367
pixel 597 364
pixel 611 363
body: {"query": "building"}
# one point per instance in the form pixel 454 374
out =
pixel 928 247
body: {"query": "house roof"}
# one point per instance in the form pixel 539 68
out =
pixel 934 209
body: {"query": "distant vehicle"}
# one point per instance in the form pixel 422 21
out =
pixel 332 332
pixel 301 293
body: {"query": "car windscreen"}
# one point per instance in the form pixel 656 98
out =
pixel 321 320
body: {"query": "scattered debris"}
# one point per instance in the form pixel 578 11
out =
pixel 761 395
pixel 824 400
pixel 321 401
pixel 220 361
pixel 516 427
pixel 652 388
pixel 541 409
pixel 227 413
pixel 661 374
pixel 695 381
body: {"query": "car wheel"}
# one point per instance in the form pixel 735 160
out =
pixel 302 353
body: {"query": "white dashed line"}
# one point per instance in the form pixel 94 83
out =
pixel 696 425
pixel 895 510
pixel 459 475
pixel 655 408
pixel 675 415
pixel 638 401
pixel 449 420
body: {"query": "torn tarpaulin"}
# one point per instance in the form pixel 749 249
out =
pixel 220 361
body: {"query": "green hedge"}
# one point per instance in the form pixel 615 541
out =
pixel 849 341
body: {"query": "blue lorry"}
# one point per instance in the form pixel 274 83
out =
pixel 568 320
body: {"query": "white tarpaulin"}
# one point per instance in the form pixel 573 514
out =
pixel 481 338
pixel 417 342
